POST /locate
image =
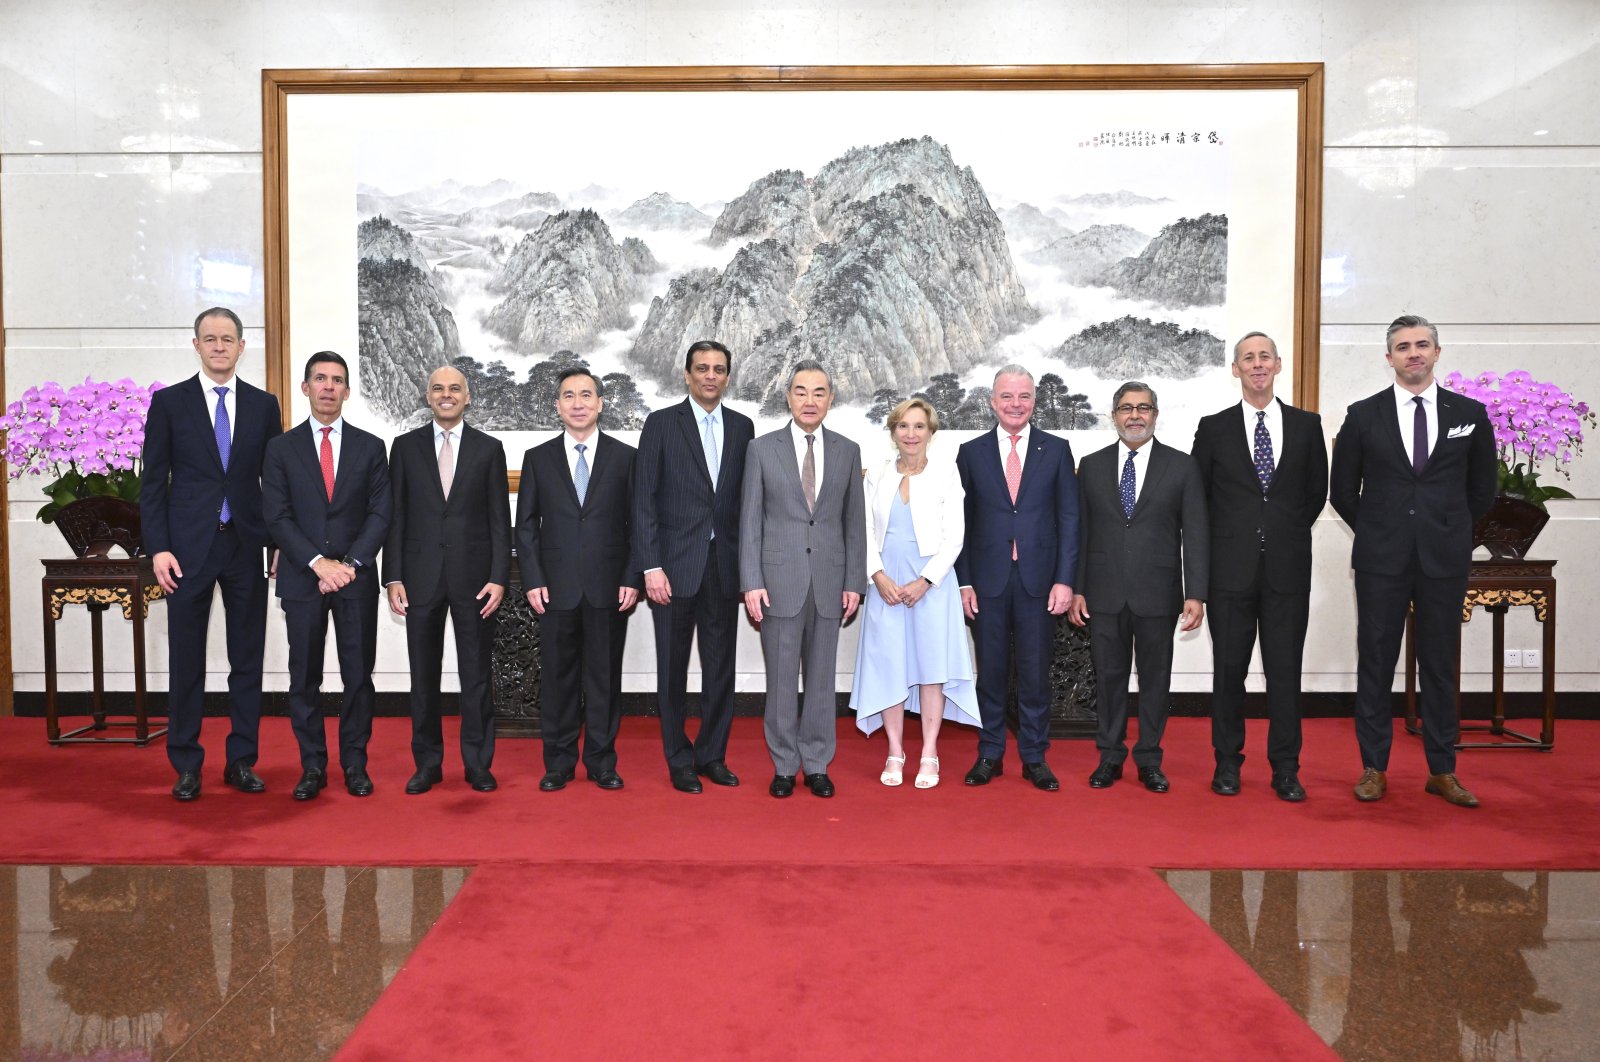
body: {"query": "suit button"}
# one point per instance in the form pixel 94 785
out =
pixel 1412 512
pixel 808 549
pixel 812 523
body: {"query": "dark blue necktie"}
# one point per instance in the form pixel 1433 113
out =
pixel 224 442
pixel 1263 451
pixel 1127 486
pixel 1419 438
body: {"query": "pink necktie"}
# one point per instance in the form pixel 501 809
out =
pixel 1013 480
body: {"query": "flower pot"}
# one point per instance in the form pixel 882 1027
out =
pixel 92 526
pixel 1509 527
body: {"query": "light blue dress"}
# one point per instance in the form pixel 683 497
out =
pixel 902 648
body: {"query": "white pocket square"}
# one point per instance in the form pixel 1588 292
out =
pixel 1460 431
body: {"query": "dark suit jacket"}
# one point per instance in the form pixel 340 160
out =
pixel 676 507
pixel 1242 517
pixel 1043 522
pixel 305 524
pixel 1153 561
pixel 453 548
pixel 181 492
pixel 580 553
pixel 1396 513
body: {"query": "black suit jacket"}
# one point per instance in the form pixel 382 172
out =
pixel 181 491
pixel 676 507
pixel 1043 521
pixel 1153 561
pixel 1243 518
pixel 1397 514
pixel 305 524
pixel 448 549
pixel 579 552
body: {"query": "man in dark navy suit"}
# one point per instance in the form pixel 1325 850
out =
pixel 200 508
pixel 325 492
pixel 574 541
pixel 1016 569
pixel 687 479
pixel 1413 470
pixel 1265 470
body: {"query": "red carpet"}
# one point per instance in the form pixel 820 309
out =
pixel 111 805
pixel 669 961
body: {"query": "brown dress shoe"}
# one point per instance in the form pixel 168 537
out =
pixel 1445 785
pixel 1372 785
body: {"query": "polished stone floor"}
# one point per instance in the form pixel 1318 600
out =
pixel 1420 965
pixel 123 963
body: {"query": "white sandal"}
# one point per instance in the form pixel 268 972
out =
pixel 928 776
pixel 892 770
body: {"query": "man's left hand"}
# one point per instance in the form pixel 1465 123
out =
pixel 494 592
pixel 1194 610
pixel 851 602
pixel 627 597
pixel 1060 599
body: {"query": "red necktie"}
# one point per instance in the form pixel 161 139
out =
pixel 1013 480
pixel 327 462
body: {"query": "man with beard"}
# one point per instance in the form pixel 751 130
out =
pixel 1143 571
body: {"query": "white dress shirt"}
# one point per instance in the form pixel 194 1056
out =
pixel 335 439
pixel 210 386
pixel 1022 445
pixel 455 440
pixel 1274 412
pixel 569 443
pixel 799 438
pixel 1405 410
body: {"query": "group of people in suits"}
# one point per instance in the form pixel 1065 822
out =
pixel 1007 535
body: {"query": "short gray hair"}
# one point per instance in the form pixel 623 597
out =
pixel 1134 385
pixel 1254 335
pixel 1012 369
pixel 809 365
pixel 1409 320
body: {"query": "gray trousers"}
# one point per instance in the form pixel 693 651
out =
pixel 801 734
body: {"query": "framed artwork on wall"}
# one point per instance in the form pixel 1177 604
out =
pixel 913 228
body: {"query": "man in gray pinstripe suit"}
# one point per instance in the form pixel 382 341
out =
pixel 803 567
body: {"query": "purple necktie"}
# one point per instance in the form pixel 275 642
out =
pixel 1419 438
pixel 224 442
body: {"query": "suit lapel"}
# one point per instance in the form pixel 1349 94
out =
pixel 790 461
pixel 199 408
pixel 430 462
pixel 307 446
pixel 1389 420
pixel 993 462
pixel 689 418
pixel 1153 474
pixel 832 459
pixel 597 468
pixel 1032 468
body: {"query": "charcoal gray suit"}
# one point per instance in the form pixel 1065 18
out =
pixel 805 560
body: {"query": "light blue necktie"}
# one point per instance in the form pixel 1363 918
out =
pixel 224 442
pixel 711 450
pixel 580 477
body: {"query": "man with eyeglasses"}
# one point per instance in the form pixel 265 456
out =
pixel 1144 571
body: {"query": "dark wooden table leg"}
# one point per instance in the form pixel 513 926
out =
pixel 1547 734
pixel 52 729
pixel 97 656
pixel 1498 666
pixel 141 722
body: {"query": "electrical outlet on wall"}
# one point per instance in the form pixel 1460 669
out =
pixel 1533 658
pixel 1513 658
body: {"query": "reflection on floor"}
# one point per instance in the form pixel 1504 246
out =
pixel 230 963
pixel 1420 965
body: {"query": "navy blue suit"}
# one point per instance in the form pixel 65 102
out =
pixel 180 509
pixel 306 524
pixel 1043 522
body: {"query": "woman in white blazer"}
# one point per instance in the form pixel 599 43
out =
pixel 914 652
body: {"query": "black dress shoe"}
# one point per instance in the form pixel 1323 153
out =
pixel 1225 781
pixel 356 782
pixel 718 774
pixel 607 779
pixel 480 779
pixel 239 775
pixel 1104 775
pixel 782 785
pixel 1152 779
pixel 1041 776
pixel 425 779
pixel 684 780
pixel 820 784
pixel 1288 787
pixel 187 786
pixel 984 770
pixel 554 780
pixel 310 784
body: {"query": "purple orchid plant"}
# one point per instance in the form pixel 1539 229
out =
pixel 89 437
pixel 1533 422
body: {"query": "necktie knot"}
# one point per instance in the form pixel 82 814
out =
pixel 326 432
pixel 581 447
pixel 810 439
pixel 1014 439
pixel 221 391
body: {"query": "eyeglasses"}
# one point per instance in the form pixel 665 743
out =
pixel 1143 409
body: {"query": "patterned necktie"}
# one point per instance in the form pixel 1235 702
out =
pixel 1263 451
pixel 327 461
pixel 710 443
pixel 447 465
pixel 580 475
pixel 1014 480
pixel 1127 485
pixel 808 475
pixel 1419 438
pixel 224 442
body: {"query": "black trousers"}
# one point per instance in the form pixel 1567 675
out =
pixel 240 571
pixel 1116 639
pixel 355 636
pixel 474 660
pixel 1236 618
pixel 1381 605
pixel 715 616
pixel 581 650
pixel 1014 614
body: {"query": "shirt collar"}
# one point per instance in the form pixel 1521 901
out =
pixel 715 413
pixel 1022 436
pixel 210 386
pixel 1250 411
pixel 1430 397
pixel 799 433
pixel 439 430
pixel 317 425
pixel 572 443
